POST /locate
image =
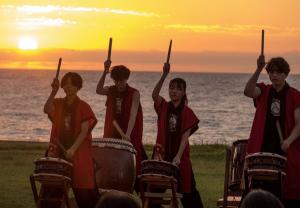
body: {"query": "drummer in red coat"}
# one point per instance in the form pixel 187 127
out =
pixel 277 103
pixel 123 105
pixel 72 122
pixel 176 122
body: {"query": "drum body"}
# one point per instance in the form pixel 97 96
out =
pixel 115 165
pixel 51 165
pixel 265 165
pixel 160 167
pixel 239 149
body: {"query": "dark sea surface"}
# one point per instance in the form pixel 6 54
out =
pixel 217 99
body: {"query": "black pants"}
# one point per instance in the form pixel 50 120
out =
pixel 144 157
pixel 192 199
pixel 189 200
pixel 86 198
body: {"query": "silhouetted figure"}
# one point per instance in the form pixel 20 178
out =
pixel 123 105
pixel 277 103
pixel 72 123
pixel 176 123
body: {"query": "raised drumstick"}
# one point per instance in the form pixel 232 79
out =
pixel 279 131
pixel 169 51
pixel 58 68
pixel 118 128
pixel 109 49
pixel 262 42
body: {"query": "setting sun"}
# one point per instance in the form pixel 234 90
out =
pixel 27 43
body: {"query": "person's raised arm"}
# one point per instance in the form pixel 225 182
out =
pixel 155 93
pixel 133 113
pixel 295 132
pixel 184 141
pixel 101 90
pixel 251 90
pixel 49 105
pixel 79 140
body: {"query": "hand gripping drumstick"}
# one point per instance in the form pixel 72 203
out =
pixel 58 68
pixel 279 131
pixel 109 49
pixel 118 128
pixel 158 150
pixel 262 42
pixel 169 52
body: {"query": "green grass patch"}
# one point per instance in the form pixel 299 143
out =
pixel 16 160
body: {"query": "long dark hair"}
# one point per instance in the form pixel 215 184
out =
pixel 181 84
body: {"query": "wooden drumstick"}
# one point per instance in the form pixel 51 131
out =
pixel 243 179
pixel 61 146
pixel 109 49
pixel 58 68
pixel 118 128
pixel 159 157
pixel 262 42
pixel 279 131
pixel 169 51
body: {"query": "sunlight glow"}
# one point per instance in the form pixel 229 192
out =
pixel 47 22
pixel 29 9
pixel 27 43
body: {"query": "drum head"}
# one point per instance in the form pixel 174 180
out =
pixel 113 143
pixel 265 164
pixel 266 154
pixel 49 165
pixel 53 159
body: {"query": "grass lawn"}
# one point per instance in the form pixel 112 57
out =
pixel 16 161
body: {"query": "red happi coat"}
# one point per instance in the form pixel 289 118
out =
pixel 188 121
pixel 291 186
pixel 137 131
pixel 83 171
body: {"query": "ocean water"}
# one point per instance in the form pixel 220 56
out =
pixel 217 99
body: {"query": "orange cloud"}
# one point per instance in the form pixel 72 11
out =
pixel 42 21
pixel 36 9
pixel 233 29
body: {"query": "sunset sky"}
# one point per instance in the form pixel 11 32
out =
pixel 208 36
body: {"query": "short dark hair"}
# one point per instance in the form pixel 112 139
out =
pixel 180 83
pixel 76 80
pixel 281 64
pixel 261 199
pixel 119 73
